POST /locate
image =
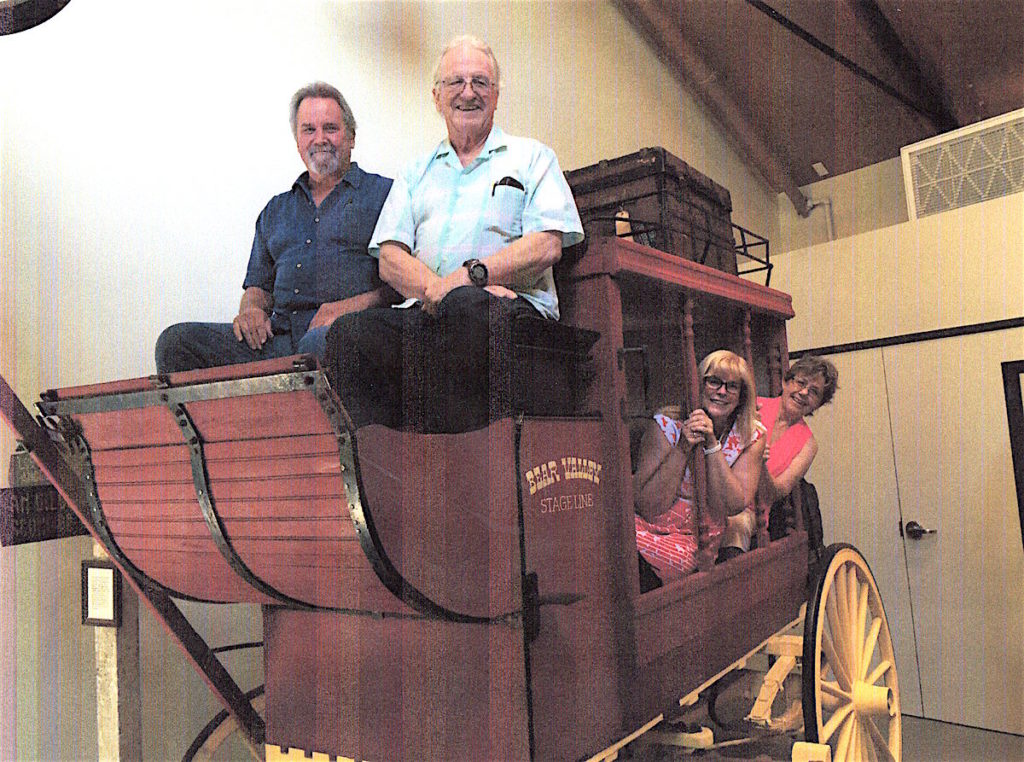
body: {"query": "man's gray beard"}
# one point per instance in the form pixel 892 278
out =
pixel 324 163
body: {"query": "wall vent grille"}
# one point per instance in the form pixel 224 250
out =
pixel 975 163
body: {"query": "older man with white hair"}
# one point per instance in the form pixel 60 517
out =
pixel 469 234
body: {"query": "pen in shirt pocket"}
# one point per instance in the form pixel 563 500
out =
pixel 509 181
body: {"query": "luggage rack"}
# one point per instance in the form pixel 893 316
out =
pixel 752 250
pixel 748 246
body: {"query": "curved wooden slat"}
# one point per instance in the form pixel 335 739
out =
pixel 267 467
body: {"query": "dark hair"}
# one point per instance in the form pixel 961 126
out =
pixel 811 366
pixel 321 90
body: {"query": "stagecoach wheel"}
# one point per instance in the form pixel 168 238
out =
pixel 851 697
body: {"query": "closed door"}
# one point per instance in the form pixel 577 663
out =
pixel 955 476
pixel 855 475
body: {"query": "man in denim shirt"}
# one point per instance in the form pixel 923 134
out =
pixel 468 235
pixel 309 263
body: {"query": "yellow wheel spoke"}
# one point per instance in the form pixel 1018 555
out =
pixel 834 722
pixel 868 745
pixel 862 614
pixel 843 747
pixel 878 671
pixel 869 646
pixel 852 594
pixel 860 735
pixel 841 627
pixel 836 664
pixel 835 626
pixel 833 689
pixel 879 742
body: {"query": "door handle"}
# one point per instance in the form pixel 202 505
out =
pixel 915 531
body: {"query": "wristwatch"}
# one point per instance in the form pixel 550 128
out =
pixel 477 272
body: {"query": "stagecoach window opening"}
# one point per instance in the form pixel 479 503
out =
pixel 717 324
pixel 763 331
pixel 633 361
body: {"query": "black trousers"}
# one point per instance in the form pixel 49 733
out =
pixel 442 373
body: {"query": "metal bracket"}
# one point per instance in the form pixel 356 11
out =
pixel 205 497
pixel 213 390
pixel 362 518
pixel 531 606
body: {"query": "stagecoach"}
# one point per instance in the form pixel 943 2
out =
pixel 470 596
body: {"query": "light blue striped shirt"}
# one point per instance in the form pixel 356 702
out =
pixel 446 213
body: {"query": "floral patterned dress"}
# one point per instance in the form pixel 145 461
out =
pixel 669 541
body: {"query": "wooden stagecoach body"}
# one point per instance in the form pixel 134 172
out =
pixel 470 596
pixel 658 315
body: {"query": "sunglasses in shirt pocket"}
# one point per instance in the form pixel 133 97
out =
pixel 505 207
pixel 507 182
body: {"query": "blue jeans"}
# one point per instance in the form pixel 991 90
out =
pixel 190 346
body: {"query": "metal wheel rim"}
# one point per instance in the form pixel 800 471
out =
pixel 855 710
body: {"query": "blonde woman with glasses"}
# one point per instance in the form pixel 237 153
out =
pixel 726 427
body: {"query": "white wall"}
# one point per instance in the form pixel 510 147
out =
pixel 965 266
pixel 138 142
pixel 918 432
pixel 867 199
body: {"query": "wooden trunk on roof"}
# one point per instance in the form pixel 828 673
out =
pixel 671 206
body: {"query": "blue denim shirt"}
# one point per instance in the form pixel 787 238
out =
pixel 306 255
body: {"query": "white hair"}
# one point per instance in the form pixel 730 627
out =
pixel 473 42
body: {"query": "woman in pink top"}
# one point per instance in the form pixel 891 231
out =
pixel 726 426
pixel 808 384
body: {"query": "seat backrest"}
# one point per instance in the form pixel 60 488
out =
pixel 552 366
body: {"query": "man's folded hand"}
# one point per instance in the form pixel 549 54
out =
pixel 253 327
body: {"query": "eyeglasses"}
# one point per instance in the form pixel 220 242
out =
pixel 480 85
pixel 803 382
pixel 714 383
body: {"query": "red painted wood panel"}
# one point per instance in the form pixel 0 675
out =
pixel 141 427
pixel 276 414
pixel 624 259
pixel 110 461
pixel 395 689
pixel 691 629
pixel 445 508
pixel 573 659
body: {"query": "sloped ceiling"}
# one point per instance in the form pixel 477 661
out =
pixel 843 83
